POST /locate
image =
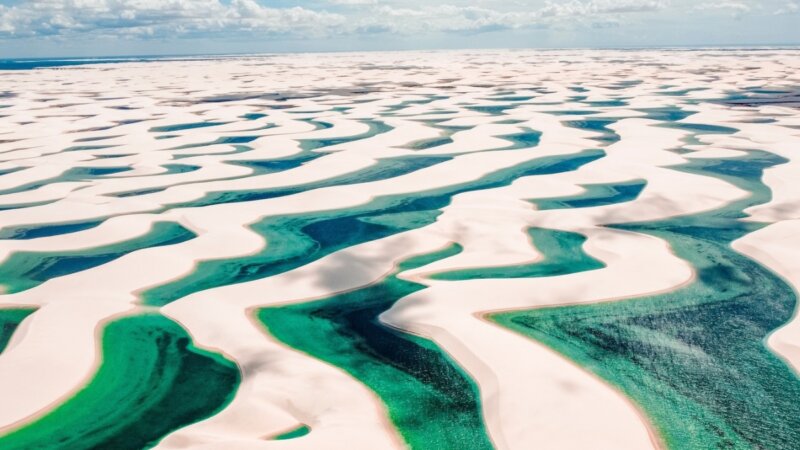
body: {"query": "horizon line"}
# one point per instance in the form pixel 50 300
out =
pixel 789 46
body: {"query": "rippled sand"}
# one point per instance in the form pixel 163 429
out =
pixel 435 250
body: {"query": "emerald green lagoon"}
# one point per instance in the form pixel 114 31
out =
pixel 300 431
pixel 152 381
pixel 296 240
pixel 24 270
pixel 10 319
pixel 595 195
pixel 562 253
pixel 430 399
pixel 694 359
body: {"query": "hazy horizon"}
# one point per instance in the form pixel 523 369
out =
pixel 432 49
pixel 72 28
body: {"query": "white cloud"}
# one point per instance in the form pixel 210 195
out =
pixel 789 8
pixel 442 18
pixel 353 2
pixel 737 9
pixel 452 18
pixel 211 18
pixel 728 5
pixel 159 18
pixel 593 7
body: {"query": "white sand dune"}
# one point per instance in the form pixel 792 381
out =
pixel 175 125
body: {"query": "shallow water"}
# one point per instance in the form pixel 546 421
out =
pixel 37 231
pixel 562 253
pixel 24 270
pixel 70 175
pixel 429 398
pixel 152 381
pixel 299 239
pixel 10 319
pixel 595 195
pixel 694 359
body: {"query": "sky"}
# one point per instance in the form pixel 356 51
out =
pixel 60 28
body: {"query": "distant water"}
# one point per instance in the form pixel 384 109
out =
pixel 41 63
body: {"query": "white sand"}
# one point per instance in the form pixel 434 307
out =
pixel 532 397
